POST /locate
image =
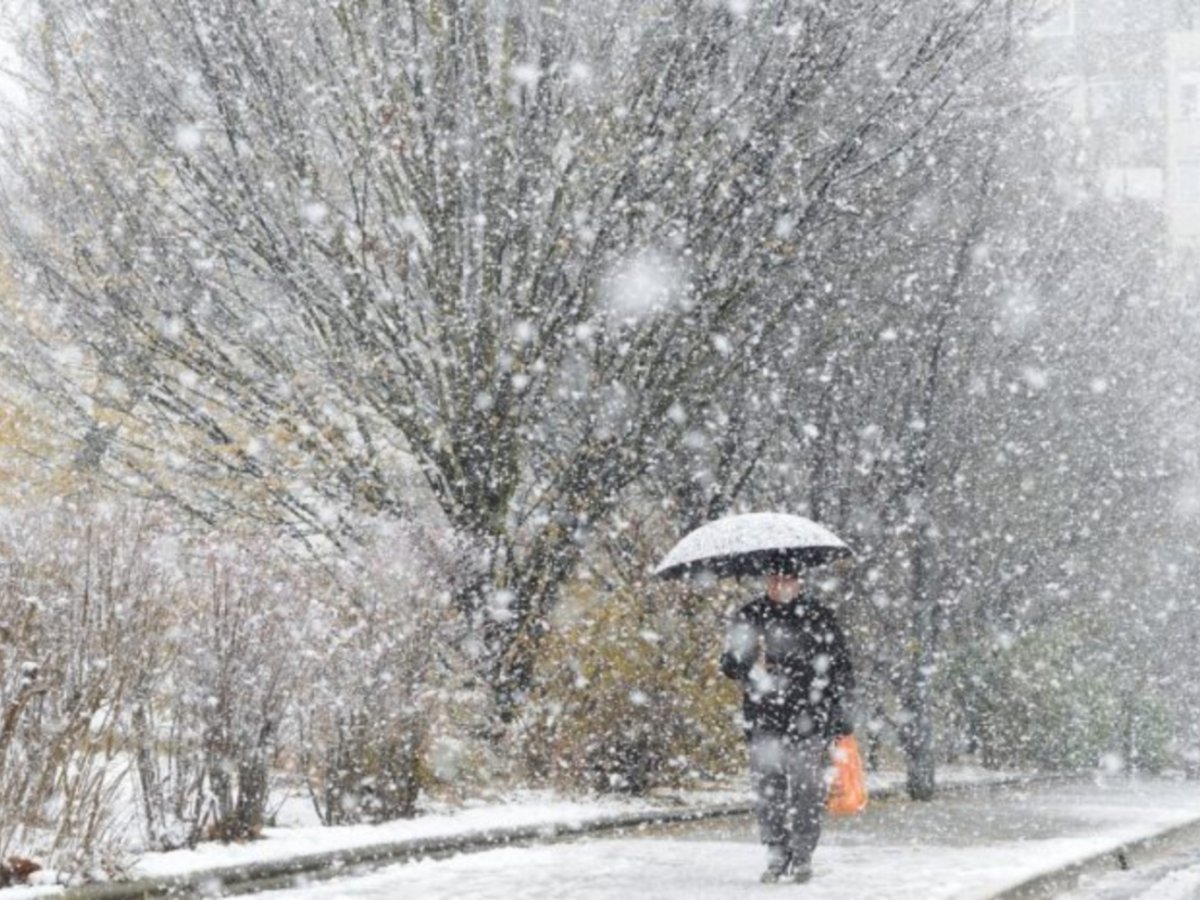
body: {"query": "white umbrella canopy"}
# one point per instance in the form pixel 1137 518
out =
pixel 752 544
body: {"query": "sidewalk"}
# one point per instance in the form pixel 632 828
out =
pixel 299 846
pixel 978 844
pixel 972 841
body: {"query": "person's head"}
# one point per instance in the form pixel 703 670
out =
pixel 783 587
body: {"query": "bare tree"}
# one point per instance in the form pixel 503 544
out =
pixel 302 256
pixel 981 415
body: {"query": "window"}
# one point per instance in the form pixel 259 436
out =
pixel 1187 15
pixel 1189 100
pixel 1122 16
pixel 1187 184
pixel 1129 100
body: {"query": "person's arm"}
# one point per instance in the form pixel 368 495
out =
pixel 841 680
pixel 741 647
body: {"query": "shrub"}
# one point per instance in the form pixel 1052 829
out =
pixel 211 728
pixel 629 694
pixel 77 601
pixel 1049 699
pixel 155 680
pixel 379 643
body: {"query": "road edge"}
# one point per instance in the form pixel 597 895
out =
pixel 1123 855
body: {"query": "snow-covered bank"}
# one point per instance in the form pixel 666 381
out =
pixel 297 836
pixel 519 810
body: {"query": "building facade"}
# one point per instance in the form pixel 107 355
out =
pixel 1130 72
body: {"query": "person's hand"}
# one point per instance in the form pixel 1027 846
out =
pixel 842 726
pixel 760 682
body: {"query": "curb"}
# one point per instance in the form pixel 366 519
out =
pixel 286 873
pixel 1120 856
pixel 257 877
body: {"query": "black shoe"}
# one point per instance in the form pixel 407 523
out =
pixel 778 862
pixel 799 872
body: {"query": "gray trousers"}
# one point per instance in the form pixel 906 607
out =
pixel 788 781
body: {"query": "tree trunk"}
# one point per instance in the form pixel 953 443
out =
pixel 510 629
pixel 149 780
pixel 1191 743
pixel 917 733
pixel 1129 742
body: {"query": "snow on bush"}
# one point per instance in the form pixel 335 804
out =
pixel 156 682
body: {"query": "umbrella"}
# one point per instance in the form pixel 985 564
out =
pixel 752 544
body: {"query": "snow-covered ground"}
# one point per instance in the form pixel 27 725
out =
pixel 1174 876
pixel 960 847
pixel 967 845
pixel 299 834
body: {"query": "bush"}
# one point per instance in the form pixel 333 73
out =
pixel 363 728
pixel 154 681
pixel 380 642
pixel 76 603
pixel 1049 700
pixel 210 726
pixel 629 694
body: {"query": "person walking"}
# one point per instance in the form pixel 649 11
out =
pixel 789 654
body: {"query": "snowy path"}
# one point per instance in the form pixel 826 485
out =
pixel 1175 876
pixel 960 847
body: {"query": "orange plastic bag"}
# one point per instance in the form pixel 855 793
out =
pixel 848 790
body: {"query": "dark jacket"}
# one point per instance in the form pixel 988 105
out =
pixel 808 673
